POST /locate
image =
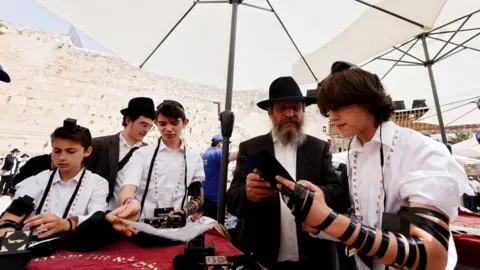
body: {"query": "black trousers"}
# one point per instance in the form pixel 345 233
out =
pixel 5 184
pixel 210 208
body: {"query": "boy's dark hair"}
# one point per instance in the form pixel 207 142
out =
pixel 133 116
pixel 171 109
pixel 71 131
pixel 355 86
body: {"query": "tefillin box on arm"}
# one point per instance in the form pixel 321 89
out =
pixel 14 245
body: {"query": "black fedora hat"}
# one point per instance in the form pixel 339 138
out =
pixel 285 88
pixel 142 105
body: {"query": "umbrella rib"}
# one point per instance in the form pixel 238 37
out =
pixel 450 54
pixel 452 31
pixel 168 34
pixel 400 59
pixel 460 45
pixel 462 116
pixel 255 6
pixel 451 109
pixel 391 50
pixel 392 14
pixel 456 44
pixel 291 39
pixel 409 54
pixel 451 37
pixel 454 21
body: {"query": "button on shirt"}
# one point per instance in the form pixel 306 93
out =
pixel 90 200
pixel 419 170
pixel 167 184
pixel 287 156
pixel 124 148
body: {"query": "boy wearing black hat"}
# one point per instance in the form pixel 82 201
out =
pixel 111 153
pixel 269 230
pixel 161 179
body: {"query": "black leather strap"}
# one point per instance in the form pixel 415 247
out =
pixel 432 228
pixel 348 233
pixel 382 249
pixel 372 233
pixel 361 237
pixel 412 254
pixel 306 208
pixel 426 211
pixel 422 254
pixel 416 219
pixel 327 221
pixel 149 177
pixel 300 193
pixel 400 251
pixel 10 224
pixel 72 198
pixel 126 158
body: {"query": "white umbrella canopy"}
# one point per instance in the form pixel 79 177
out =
pixel 372 33
pixel 376 32
pixel 198 49
pixel 468 148
pixel 463 112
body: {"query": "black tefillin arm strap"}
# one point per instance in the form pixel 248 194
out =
pixel 301 200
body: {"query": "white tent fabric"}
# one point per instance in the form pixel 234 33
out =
pixel 368 37
pixel 468 148
pixel 197 50
pixel 371 34
pixel 463 112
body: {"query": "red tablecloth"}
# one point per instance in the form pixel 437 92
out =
pixel 467 245
pixel 124 255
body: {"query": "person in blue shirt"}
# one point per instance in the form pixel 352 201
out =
pixel 212 162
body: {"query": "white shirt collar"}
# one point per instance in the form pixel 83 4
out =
pixel 388 131
pixel 76 178
pixel 124 142
pixel 163 147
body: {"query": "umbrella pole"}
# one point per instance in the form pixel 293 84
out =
pixel 226 117
pixel 428 64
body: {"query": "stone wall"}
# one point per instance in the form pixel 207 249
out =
pixel 53 80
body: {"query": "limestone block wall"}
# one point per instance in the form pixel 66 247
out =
pixel 53 80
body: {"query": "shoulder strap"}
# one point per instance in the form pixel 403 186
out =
pixel 126 158
pixel 152 163
pixel 45 193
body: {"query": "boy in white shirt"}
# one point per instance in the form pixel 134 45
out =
pixel 158 179
pixel 404 187
pixel 66 196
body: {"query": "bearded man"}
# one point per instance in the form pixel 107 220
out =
pixel 269 230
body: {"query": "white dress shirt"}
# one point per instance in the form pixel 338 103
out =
pixel 91 198
pixel 287 156
pixel 167 183
pixel 124 148
pixel 419 170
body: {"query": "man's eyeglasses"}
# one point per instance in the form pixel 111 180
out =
pixel 146 126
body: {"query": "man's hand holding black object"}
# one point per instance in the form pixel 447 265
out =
pixel 258 189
